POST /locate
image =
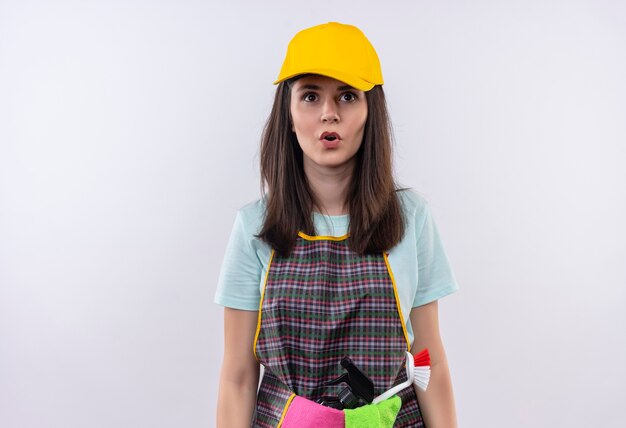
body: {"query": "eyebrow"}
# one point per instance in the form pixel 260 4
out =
pixel 313 87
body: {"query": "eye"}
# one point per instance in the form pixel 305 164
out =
pixel 349 97
pixel 309 97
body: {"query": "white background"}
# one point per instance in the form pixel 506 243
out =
pixel 129 136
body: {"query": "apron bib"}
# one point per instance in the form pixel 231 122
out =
pixel 319 304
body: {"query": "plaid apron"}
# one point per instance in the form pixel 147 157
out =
pixel 319 304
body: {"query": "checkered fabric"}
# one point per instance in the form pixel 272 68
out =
pixel 321 303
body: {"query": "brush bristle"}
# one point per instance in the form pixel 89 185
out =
pixel 421 377
pixel 421 371
pixel 422 358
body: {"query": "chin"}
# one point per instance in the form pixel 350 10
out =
pixel 334 163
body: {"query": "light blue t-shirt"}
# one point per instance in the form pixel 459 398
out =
pixel 419 263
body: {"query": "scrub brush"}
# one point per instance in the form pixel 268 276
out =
pixel 417 372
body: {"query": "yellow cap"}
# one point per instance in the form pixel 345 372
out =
pixel 335 50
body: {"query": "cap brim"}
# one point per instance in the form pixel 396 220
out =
pixel 351 80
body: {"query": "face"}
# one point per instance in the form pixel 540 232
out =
pixel 329 120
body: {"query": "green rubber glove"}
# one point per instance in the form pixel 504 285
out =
pixel 381 415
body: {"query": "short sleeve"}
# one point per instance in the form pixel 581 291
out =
pixel 240 274
pixel 435 278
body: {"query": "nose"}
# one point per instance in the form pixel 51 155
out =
pixel 329 112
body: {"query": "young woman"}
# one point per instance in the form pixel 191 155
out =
pixel 333 261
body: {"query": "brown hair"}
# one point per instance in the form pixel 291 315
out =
pixel 376 220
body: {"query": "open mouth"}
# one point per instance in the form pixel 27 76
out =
pixel 330 136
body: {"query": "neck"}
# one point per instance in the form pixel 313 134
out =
pixel 330 187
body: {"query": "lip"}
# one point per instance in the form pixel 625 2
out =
pixel 330 134
pixel 330 144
